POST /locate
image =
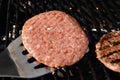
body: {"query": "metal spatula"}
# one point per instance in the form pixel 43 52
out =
pixel 14 64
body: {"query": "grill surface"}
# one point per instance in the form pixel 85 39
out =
pixel 96 17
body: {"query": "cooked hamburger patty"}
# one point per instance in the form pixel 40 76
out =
pixel 108 50
pixel 54 39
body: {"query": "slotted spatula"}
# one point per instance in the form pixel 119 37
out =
pixel 14 64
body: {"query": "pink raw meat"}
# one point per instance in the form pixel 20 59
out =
pixel 54 38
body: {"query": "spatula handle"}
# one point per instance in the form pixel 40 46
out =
pixel 7 66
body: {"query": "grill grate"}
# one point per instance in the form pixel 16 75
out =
pixel 95 16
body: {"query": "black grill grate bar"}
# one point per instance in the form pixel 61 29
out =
pixel 114 6
pixel 67 75
pixel 92 70
pixel 55 76
pixel 95 72
pixel 80 73
pixel 7 23
pixel 108 10
pixel 106 74
pixel 16 23
pixel 110 17
pixel 95 23
pixel 0 5
pixel 117 4
pixel 89 24
pixel 29 9
pixel 21 6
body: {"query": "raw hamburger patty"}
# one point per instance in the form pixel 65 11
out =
pixel 108 50
pixel 54 39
